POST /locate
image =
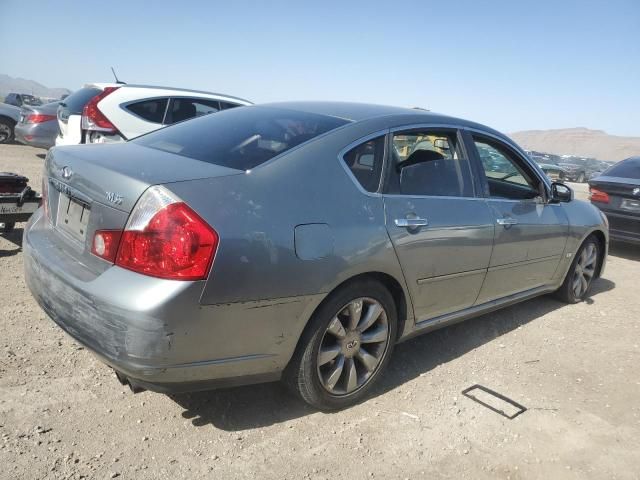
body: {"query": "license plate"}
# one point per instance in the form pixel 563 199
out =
pixel 73 217
pixel 13 208
pixel 630 204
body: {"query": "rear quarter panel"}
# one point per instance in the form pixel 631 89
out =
pixel 256 214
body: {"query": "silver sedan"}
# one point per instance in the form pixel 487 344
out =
pixel 297 241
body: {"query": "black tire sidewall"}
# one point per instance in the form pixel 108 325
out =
pixel 308 382
pixel 567 288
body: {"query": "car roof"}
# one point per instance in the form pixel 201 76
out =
pixel 102 86
pixel 356 112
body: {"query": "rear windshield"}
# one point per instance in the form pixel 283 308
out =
pixel 78 99
pixel 240 138
pixel 625 169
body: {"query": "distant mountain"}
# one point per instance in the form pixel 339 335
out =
pixel 581 142
pixel 22 85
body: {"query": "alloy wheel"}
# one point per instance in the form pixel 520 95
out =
pixel 585 269
pixel 353 346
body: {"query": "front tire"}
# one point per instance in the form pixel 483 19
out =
pixel 345 347
pixel 579 278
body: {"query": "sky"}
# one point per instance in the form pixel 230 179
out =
pixel 513 65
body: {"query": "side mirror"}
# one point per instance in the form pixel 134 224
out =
pixel 561 192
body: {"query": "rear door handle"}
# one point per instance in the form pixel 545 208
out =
pixel 507 221
pixel 411 222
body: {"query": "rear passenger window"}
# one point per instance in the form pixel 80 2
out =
pixel 150 110
pixel 365 162
pixel 429 163
pixel 186 108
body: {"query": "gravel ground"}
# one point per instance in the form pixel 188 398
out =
pixel 576 368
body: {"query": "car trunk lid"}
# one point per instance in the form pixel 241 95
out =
pixel 624 193
pixel 116 175
pixel 95 187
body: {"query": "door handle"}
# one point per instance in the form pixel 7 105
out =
pixel 411 222
pixel 507 221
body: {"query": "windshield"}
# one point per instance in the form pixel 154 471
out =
pixel 240 138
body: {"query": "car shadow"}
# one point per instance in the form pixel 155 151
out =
pixel 262 405
pixel 624 250
pixel 15 237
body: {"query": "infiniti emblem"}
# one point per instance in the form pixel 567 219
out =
pixel 66 173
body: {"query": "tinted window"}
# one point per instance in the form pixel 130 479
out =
pixel 365 162
pixel 626 169
pixel 186 108
pixel 507 176
pixel 240 138
pixel 151 110
pixel 75 102
pixel 429 163
pixel 226 105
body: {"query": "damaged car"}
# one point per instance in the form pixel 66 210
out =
pixel 297 242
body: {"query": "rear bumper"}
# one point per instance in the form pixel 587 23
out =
pixel 35 136
pixel 623 228
pixel 155 332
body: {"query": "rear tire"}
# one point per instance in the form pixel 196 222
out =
pixel 337 362
pixel 579 278
pixel 6 131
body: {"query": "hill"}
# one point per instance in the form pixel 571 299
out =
pixel 581 142
pixel 22 85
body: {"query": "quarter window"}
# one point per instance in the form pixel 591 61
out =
pixel 365 162
pixel 151 110
pixel 430 163
pixel 507 176
pixel 186 108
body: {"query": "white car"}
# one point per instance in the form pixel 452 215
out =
pixel 115 112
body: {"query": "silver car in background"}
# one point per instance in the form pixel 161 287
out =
pixel 297 241
pixel 38 125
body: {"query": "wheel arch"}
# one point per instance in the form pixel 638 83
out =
pixel 392 284
pixel 11 121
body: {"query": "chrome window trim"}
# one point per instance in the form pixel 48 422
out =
pixel 380 133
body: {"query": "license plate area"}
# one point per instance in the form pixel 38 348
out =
pixel 72 217
pixel 631 205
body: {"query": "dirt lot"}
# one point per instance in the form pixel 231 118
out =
pixel 576 368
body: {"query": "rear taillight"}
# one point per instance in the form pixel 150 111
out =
pixel 105 244
pixel 38 118
pixel 163 238
pixel 596 195
pixel 93 118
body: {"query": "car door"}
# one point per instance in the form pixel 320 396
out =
pixel 441 231
pixel 530 234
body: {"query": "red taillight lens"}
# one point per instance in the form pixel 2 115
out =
pixel 105 244
pixel 93 118
pixel 175 244
pixel 39 118
pixel 598 195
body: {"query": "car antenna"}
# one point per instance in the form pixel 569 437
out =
pixel 116 77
